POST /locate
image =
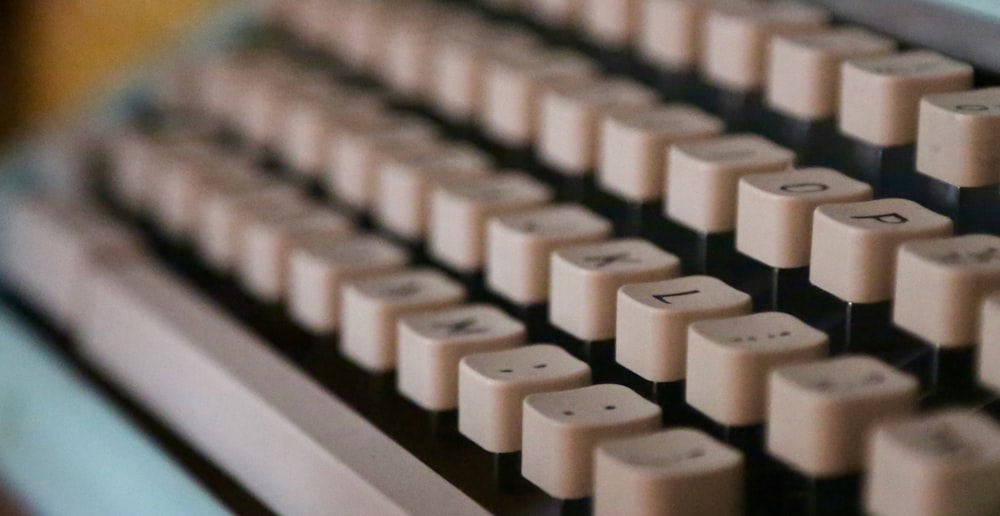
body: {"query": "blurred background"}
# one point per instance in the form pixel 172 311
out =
pixel 57 54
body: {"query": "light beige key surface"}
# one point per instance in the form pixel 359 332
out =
pixel 570 118
pixel 958 137
pixel 360 40
pixel 246 408
pixel 372 307
pixel 820 414
pixel 404 185
pixel 941 285
pixel 738 37
pixel 562 429
pixel 584 281
pixel 519 246
pixel 988 366
pixel 677 472
pixel 944 463
pixel 263 263
pixel 633 152
pixel 880 96
pixel 803 77
pixel 137 163
pixel 612 24
pixel 409 48
pixel 854 245
pixel 703 178
pixel 492 387
pixel 513 86
pixel 557 13
pixel 318 269
pixel 430 347
pixel 730 360
pixel 774 214
pixel 671 32
pixel 651 333
pixel 460 211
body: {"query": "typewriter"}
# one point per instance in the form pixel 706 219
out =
pixel 680 257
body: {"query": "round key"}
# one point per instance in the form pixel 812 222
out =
pixel 854 245
pixel 611 23
pixel 677 472
pixel 633 147
pixel 492 387
pixel 730 360
pixel 703 178
pixel 430 347
pixel 519 246
pixel 320 267
pixel 585 280
pixel 945 463
pixel 652 323
pixel 570 120
pixel 880 96
pixel 774 215
pixel 958 139
pixel 671 32
pixel 820 413
pixel 988 368
pixel 941 285
pixel 372 308
pixel 562 429
pixel 459 213
pixel 803 78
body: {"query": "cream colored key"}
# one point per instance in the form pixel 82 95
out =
pixel 671 32
pixel 730 360
pixel 941 464
pixel 263 264
pixel 958 137
pixel 492 387
pixel 803 78
pixel 320 267
pixel 570 118
pixel 585 280
pixel 372 307
pixel 880 96
pixel 941 285
pixel 820 414
pixel 562 429
pixel 703 178
pixel 519 246
pixel 557 13
pixel 137 162
pixel 988 367
pixel 362 35
pixel 774 214
pixel 854 245
pixel 404 185
pixel 651 332
pixel 634 144
pixel 738 37
pixel 430 347
pixel 355 154
pixel 677 472
pixel 409 47
pixel 612 24
pixel 460 211
pixel 513 86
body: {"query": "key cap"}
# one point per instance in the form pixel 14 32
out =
pixel 820 413
pixel 703 177
pixel 562 429
pixel 611 23
pixel 854 245
pixel 671 32
pixel 730 360
pixel 957 140
pixel 166 346
pixel 319 268
pixel 774 215
pixel 945 463
pixel 632 157
pixel 652 323
pixel 988 371
pixel 409 46
pixel 556 13
pixel 519 246
pixel 136 162
pixel 432 345
pixel 585 280
pixel 459 213
pixel 677 472
pixel 570 118
pixel 513 86
pixel 492 387
pixel 360 40
pixel 404 185
pixel 179 189
pixel 372 308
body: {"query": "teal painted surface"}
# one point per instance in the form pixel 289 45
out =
pixel 989 8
